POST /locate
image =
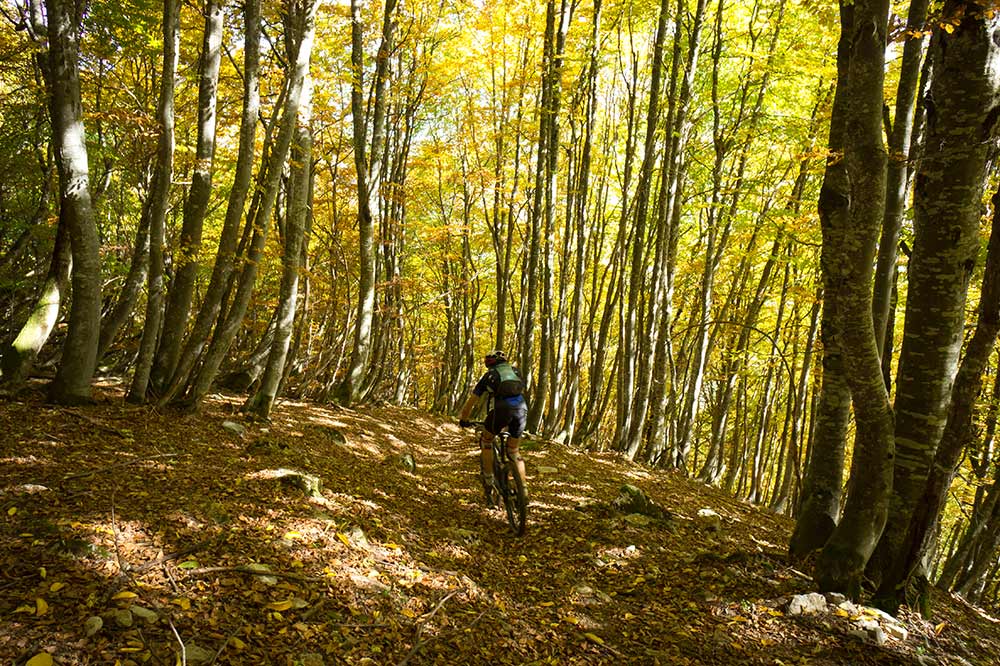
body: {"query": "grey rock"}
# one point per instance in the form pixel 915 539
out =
pixel 859 633
pixel 198 655
pixel 309 484
pixel 835 598
pixel 588 595
pixel 234 428
pixel 358 536
pixel 805 604
pixel 123 618
pixel 92 625
pixel 881 614
pixel 150 616
pixel 848 607
pixel 868 624
pixel 634 500
pixel 709 520
pixel 878 636
pixel 896 630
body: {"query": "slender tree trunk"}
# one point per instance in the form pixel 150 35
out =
pixel 896 173
pixel 298 203
pixel 821 492
pixel 302 22
pixel 668 219
pixel 79 356
pixel 793 472
pixel 629 434
pixel 196 207
pixel 368 180
pixel 579 271
pixel 159 201
pixel 226 254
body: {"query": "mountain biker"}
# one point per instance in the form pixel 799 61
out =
pixel 503 386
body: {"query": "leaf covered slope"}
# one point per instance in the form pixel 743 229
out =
pixel 127 534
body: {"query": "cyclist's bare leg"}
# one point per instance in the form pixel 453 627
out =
pixel 486 454
pixel 514 452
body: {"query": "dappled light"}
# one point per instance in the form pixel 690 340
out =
pixel 229 543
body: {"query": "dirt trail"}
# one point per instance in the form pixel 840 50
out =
pixel 173 518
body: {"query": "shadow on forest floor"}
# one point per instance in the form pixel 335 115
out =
pixel 183 524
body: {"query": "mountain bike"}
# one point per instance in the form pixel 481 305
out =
pixel 508 485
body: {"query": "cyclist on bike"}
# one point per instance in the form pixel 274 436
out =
pixel 503 386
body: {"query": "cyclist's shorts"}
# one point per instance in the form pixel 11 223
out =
pixel 507 416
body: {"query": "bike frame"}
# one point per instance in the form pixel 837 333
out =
pixel 504 477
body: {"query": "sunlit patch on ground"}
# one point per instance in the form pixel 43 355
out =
pixel 112 509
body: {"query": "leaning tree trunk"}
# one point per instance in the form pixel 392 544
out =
pixel 298 211
pixel 196 206
pixel 302 20
pixel 911 570
pixel 20 356
pixel 79 356
pixel 961 118
pixel 842 561
pixel 225 257
pixel 159 199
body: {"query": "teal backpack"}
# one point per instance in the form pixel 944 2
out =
pixel 508 382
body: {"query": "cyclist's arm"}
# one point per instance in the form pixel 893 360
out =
pixel 469 405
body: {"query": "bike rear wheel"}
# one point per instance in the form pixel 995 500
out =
pixel 515 498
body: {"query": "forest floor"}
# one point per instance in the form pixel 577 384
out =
pixel 181 537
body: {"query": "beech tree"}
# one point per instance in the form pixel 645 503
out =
pixel 79 356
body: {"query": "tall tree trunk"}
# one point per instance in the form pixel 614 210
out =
pixel 896 173
pixel 629 436
pixel 301 21
pixel 196 207
pixel 79 356
pixel 159 201
pixel 964 55
pixel 821 492
pixel 368 181
pixel 961 117
pixel 667 233
pixel 843 558
pixel 226 254
pixel 298 212
pixel 579 270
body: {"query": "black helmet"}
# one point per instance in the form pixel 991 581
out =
pixel 494 357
